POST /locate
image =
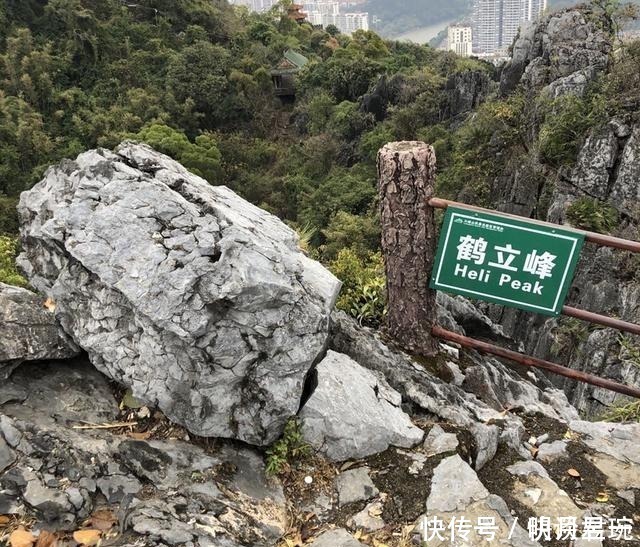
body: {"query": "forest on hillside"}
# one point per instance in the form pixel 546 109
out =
pixel 192 79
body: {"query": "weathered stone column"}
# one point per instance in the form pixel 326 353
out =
pixel 406 173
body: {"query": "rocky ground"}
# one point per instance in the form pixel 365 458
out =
pixel 75 457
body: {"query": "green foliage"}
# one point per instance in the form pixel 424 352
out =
pixel 567 122
pixel 623 413
pixel 361 233
pixel 375 139
pixel 479 146
pixel 629 351
pixel 290 448
pixel 363 291
pixel 319 110
pixel 592 214
pixel 569 334
pixel 343 190
pixel 8 215
pixel 202 157
pixel 8 272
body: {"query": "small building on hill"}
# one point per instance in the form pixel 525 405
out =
pixel 284 75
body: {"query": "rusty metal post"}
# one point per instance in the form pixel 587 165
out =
pixel 406 173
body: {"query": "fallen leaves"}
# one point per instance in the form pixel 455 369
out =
pixel 602 497
pixel 50 305
pixel 574 473
pixel 21 538
pixel 46 539
pixel 102 519
pixel 89 538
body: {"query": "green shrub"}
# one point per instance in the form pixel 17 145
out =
pixel 289 448
pixel 592 214
pixel 8 271
pixel 568 335
pixel 363 292
pixel 8 215
pixel 358 232
pixel 624 413
pixel 628 351
pixel 567 120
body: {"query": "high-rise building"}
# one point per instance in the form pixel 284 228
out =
pixel 496 22
pixel 325 13
pixel 460 40
pixel 255 5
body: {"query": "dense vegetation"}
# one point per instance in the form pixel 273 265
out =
pixel 192 79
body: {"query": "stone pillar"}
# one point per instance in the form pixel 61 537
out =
pixel 406 175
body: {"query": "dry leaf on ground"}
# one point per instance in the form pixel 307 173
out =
pixel 102 519
pixel 21 538
pixel 46 539
pixel 87 537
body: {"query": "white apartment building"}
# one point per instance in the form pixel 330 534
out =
pixel 327 13
pixel 255 5
pixel 460 40
pixel 496 22
pixel 350 22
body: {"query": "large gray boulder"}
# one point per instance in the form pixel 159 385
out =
pixel 29 330
pixel 200 302
pixel 353 413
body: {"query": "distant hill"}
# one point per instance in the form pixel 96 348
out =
pixel 401 16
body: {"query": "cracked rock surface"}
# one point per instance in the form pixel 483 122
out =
pixel 354 414
pixel 162 492
pixel 200 302
pixel 29 330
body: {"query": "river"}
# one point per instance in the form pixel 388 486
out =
pixel 424 35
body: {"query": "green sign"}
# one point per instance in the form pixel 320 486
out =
pixel 512 262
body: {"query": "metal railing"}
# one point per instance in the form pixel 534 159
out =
pixel 584 315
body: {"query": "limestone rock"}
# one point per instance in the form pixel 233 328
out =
pixel 29 330
pixel 454 486
pixel 420 387
pixel 220 498
pixel 550 452
pixel 438 442
pixel 337 538
pixel 355 485
pixel 561 51
pixel 465 91
pixel 369 518
pixel 7 456
pixel 456 491
pixel 354 414
pixel 541 495
pixel 200 302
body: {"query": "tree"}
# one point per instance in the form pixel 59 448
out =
pixel 200 73
pixel 333 30
pixel 201 157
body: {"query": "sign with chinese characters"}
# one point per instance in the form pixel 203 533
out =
pixel 506 261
